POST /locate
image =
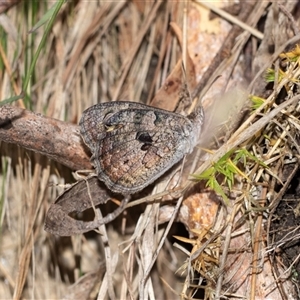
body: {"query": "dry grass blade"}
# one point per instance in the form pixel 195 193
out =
pixel 132 50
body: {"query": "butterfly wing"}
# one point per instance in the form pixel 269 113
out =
pixel 91 122
pixel 133 145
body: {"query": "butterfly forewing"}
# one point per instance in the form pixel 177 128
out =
pixel 134 144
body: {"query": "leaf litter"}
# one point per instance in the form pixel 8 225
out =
pixel 105 51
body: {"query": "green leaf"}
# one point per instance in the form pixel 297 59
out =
pixel 11 100
pixel 227 167
pixel 44 19
pixel 52 17
pixel 257 102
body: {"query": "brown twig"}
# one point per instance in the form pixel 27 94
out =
pixel 57 140
pixel 294 25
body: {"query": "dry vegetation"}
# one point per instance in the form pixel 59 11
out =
pixel 238 229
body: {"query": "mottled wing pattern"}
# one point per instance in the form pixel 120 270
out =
pixel 134 144
pixel 91 120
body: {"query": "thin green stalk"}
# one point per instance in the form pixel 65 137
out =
pixel 58 6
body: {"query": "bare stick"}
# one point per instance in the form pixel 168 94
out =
pixel 57 140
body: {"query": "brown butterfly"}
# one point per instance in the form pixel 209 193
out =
pixel 133 144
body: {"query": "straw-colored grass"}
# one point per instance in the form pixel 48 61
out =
pixel 82 53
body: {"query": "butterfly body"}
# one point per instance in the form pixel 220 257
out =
pixel 133 144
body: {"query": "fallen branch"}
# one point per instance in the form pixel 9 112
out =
pixel 60 141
